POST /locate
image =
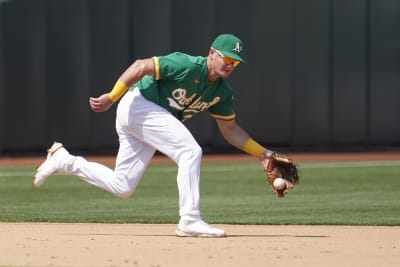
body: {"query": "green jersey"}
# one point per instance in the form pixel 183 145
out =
pixel 180 84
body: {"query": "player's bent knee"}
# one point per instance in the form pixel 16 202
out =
pixel 123 194
pixel 124 185
pixel 123 191
pixel 195 152
pixel 198 152
pixel 191 154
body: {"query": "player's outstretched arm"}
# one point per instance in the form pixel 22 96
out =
pixel 239 138
pixel 232 132
pixel 275 165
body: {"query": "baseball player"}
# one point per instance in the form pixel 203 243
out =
pixel 156 94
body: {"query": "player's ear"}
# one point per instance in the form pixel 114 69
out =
pixel 211 53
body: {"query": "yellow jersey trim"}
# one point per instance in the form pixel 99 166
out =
pixel 156 63
pixel 222 117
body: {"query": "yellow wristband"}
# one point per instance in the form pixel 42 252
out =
pixel 253 148
pixel 118 90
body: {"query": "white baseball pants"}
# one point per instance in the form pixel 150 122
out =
pixel 144 127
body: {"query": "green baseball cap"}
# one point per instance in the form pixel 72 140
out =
pixel 229 45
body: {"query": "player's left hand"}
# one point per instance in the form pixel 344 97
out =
pixel 101 103
pixel 279 166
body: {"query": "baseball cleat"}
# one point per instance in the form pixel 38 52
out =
pixel 55 154
pixel 198 229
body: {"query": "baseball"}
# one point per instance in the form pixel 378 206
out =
pixel 279 183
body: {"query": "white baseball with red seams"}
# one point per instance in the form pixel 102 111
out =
pixel 279 183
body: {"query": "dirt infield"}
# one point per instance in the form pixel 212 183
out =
pixel 41 244
pixel 54 244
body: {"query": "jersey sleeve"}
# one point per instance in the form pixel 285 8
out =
pixel 171 66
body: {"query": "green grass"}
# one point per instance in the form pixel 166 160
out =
pixel 330 193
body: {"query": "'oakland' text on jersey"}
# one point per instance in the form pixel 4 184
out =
pixel 180 85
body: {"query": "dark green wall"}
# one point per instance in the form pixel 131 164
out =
pixel 320 73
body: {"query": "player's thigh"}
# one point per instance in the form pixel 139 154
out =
pixel 169 135
pixel 152 124
pixel 133 158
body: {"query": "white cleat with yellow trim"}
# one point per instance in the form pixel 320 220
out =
pixel 55 155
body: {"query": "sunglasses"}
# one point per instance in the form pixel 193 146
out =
pixel 228 60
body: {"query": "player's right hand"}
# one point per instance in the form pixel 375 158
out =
pixel 101 103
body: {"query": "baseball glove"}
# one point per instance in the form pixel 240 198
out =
pixel 280 166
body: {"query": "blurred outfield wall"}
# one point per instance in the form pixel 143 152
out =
pixel 320 73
